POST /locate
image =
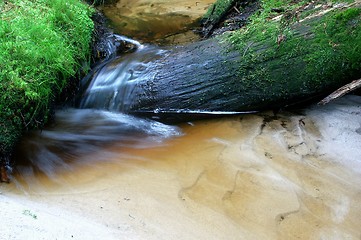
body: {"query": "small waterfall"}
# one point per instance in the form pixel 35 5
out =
pixel 110 85
pixel 100 122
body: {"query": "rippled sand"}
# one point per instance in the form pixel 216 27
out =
pixel 289 176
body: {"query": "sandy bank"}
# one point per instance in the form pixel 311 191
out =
pixel 290 176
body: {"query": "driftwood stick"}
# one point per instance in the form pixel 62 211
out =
pixel 341 91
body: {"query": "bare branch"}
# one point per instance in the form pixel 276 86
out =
pixel 341 91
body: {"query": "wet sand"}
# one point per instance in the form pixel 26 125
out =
pixel 289 176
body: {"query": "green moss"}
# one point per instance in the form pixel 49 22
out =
pixel 42 43
pixel 299 59
pixel 217 10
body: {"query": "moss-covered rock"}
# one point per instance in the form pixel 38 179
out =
pixel 273 62
pixel 304 57
pixel 42 44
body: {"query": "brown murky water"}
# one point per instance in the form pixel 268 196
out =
pixel 98 175
pixel 164 22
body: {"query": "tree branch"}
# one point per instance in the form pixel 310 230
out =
pixel 341 91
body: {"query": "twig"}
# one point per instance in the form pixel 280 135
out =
pixel 239 12
pixel 341 91
pixel 248 46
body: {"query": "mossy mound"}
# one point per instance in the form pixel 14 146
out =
pixel 295 56
pixel 42 44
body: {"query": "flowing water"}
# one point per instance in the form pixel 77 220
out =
pixel 100 174
pixel 111 86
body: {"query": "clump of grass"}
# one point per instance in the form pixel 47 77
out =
pixel 42 43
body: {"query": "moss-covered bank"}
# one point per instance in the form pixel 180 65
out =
pixel 300 52
pixel 42 44
pixel 296 49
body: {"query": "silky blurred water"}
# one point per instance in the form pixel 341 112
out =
pixel 111 86
pixel 85 132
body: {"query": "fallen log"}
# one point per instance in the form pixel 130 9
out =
pixel 261 69
pixel 341 91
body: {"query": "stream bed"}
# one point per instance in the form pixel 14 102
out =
pixel 96 174
pixel 257 176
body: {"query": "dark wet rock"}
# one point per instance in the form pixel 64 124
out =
pixel 106 44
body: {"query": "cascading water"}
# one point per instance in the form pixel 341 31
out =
pixel 112 83
pixel 100 120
